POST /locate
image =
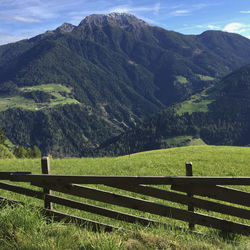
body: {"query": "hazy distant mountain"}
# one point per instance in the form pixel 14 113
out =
pixel 111 71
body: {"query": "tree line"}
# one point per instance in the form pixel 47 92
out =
pixel 7 151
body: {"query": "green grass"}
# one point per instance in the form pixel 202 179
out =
pixel 207 160
pixel 5 152
pixel 26 228
pixel 197 103
pixel 196 142
pixel 60 93
pixel 9 143
pixel 205 78
pixel 49 88
pixel 184 141
pixel 181 79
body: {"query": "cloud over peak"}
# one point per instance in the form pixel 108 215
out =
pixel 235 28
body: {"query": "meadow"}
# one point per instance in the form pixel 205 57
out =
pixel 60 94
pixel 17 222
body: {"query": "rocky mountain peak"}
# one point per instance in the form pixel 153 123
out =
pixel 124 20
pixel 66 27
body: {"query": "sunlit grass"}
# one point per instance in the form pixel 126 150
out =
pixel 205 78
pixel 26 228
pixel 207 161
pixel 56 90
pixel 183 141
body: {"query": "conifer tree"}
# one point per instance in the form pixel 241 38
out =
pixel 20 152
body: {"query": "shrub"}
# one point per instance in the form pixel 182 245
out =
pixel 5 152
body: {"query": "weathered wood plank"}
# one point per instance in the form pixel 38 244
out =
pixel 154 180
pixel 185 200
pixel 22 190
pixel 45 164
pixel 189 172
pixel 102 211
pixel 71 203
pixel 5 175
pixel 150 207
pixel 4 201
pixel 82 222
pixel 217 192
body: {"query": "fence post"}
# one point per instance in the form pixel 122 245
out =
pixel 189 172
pixel 46 170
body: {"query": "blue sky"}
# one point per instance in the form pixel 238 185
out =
pixel 21 19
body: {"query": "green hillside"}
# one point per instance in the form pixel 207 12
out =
pixel 37 97
pixel 218 115
pixel 196 103
pixel 207 161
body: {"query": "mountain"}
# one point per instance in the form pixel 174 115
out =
pixel 73 88
pixel 220 115
pixel 64 28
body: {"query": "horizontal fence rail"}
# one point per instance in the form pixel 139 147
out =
pixel 147 206
pixel 187 187
pixel 216 192
pixel 186 200
pixel 129 180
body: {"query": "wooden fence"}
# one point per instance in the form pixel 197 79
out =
pixel 222 199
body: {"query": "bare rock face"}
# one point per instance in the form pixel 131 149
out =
pixel 65 28
pixel 121 19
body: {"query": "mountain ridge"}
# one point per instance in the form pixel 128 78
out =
pixel 121 19
pixel 119 76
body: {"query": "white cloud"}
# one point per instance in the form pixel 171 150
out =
pixel 41 11
pixel 188 9
pixel 245 12
pixel 209 26
pixel 127 8
pixel 213 27
pixel 18 18
pixel 139 11
pixel 26 19
pixel 120 9
pixel 180 12
pixel 34 10
pixel 157 8
pixel 235 28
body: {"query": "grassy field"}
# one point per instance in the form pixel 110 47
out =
pixel 184 141
pixel 205 78
pixel 59 92
pixel 181 79
pixel 197 103
pixel 207 160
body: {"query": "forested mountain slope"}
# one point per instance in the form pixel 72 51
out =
pixel 220 115
pixel 75 87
